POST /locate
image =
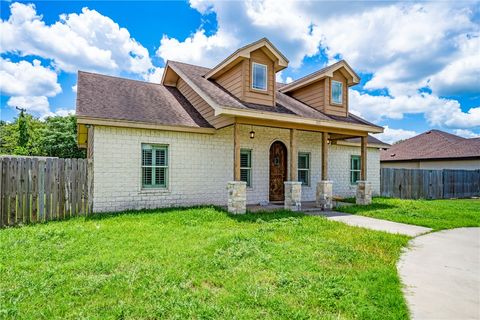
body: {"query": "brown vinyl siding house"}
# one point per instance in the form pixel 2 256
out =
pixel 433 149
pixel 228 135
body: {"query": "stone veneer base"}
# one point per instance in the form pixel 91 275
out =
pixel 364 193
pixel 293 195
pixel 237 197
pixel 325 195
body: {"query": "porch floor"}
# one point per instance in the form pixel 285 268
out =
pixel 278 205
pixel 307 206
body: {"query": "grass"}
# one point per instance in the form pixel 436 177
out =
pixel 199 263
pixel 436 214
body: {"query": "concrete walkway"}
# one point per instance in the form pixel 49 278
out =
pixel 441 275
pixel 374 224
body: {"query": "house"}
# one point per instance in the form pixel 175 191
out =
pixel 433 149
pixel 227 135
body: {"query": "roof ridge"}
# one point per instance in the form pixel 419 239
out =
pixel 188 64
pixel 251 44
pixel 323 69
pixel 117 77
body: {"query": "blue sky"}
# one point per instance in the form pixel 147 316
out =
pixel 419 62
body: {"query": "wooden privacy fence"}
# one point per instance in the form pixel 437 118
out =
pixel 429 184
pixel 42 189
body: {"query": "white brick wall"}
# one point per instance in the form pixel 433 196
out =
pixel 201 165
pixel 339 165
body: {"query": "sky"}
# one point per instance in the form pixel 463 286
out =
pixel 419 61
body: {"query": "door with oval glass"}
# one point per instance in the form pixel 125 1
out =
pixel 278 171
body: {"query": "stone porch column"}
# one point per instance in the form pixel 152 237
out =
pixel 364 193
pixel 237 197
pixel 293 195
pixel 325 194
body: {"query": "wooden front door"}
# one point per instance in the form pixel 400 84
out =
pixel 278 171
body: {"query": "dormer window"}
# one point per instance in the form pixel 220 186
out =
pixel 337 92
pixel 259 76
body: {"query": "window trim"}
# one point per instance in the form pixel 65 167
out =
pixel 308 169
pixel 352 157
pixel 154 146
pixel 249 180
pixel 266 77
pixel 341 93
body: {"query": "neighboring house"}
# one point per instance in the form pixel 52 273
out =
pixel 433 149
pixel 182 142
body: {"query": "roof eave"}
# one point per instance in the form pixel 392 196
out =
pixel 82 119
pixel 432 159
pixel 266 115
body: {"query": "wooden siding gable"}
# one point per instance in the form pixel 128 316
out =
pixel 319 96
pixel 238 79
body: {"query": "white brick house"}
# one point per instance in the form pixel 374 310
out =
pixel 183 141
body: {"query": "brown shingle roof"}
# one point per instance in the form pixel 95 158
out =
pixel 370 140
pixel 107 97
pixel 433 144
pixel 285 104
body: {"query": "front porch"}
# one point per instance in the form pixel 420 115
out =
pixel 280 170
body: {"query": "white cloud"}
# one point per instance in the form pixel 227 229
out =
pixel 27 79
pixel 462 74
pixel 405 46
pixel 28 85
pixel 74 88
pixel 466 133
pixel 88 41
pixel 60 112
pixel 35 104
pixel 155 75
pixel 437 111
pixel 279 78
pixel 198 49
pixel 391 136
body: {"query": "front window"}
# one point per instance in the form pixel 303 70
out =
pixel 259 76
pixel 154 166
pixel 304 168
pixel 337 90
pixel 354 169
pixel 246 166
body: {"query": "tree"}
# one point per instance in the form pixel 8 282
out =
pixel 54 137
pixel 59 138
pixel 10 136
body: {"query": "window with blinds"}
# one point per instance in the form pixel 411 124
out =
pixel 246 166
pixel 154 166
pixel 354 169
pixel 303 168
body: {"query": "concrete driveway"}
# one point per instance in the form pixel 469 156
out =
pixel 441 275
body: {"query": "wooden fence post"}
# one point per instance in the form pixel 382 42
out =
pixel 90 185
pixel 34 189
pixel 28 183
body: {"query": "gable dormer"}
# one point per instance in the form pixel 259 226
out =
pixel 249 73
pixel 325 90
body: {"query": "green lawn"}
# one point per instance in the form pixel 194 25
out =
pixel 436 214
pixel 199 263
